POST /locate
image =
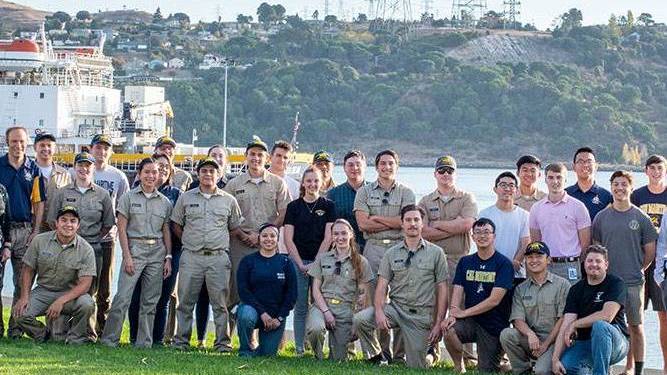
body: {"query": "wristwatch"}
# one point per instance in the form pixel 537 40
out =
pixel 281 319
pixel 168 256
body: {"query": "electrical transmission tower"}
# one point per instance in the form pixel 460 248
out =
pixel 512 13
pixel 400 10
pixel 468 12
pixel 341 10
pixel 326 8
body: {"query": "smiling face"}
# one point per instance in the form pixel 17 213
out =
pixel 387 167
pixel 505 189
pixel 149 176
pixel 529 174
pixel 256 158
pixel 445 176
pixel 585 165
pixel 208 176
pixel 355 168
pixel 101 152
pixel 268 239
pixel 164 170
pixel 84 172
pixel 483 235
pixel 656 173
pixel 17 142
pixel 556 182
pixel 45 149
pixel 326 167
pixel 596 265
pixel 537 263
pixel 312 182
pixel 621 188
pixel 412 224
pixel 67 225
pixel 280 159
pixel 342 236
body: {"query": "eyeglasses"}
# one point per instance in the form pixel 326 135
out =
pixel 386 196
pixel 482 232
pixel 506 185
pixel 585 162
pixel 408 260
pixel 449 171
pixel 339 265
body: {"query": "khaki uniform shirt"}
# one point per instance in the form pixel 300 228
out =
pixel 181 179
pixel 373 200
pixel 145 216
pixel 414 284
pixel 260 202
pixel 459 203
pixel 540 306
pixel 95 209
pixel 342 285
pixel 59 267
pixel 206 222
pixel 60 178
pixel 527 201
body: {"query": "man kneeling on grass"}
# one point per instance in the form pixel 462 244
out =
pixel 65 266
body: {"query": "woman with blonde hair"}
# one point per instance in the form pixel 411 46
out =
pixel 340 287
pixel 308 223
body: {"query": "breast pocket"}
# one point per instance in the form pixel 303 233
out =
pixel 548 314
pixel 157 219
pixel 399 270
pixel 425 271
pixel 91 211
pixel 221 216
pixel 194 212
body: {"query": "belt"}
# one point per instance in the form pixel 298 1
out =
pixel 383 242
pixel 335 301
pixel 564 259
pixel 20 224
pixel 147 241
pixel 209 252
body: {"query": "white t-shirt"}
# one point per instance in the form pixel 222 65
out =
pixel 511 227
pixel 46 172
pixel 293 187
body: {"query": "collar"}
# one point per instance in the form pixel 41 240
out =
pixel 594 188
pixel 217 191
pixel 58 169
pixel 549 278
pixel 565 198
pixel 73 186
pixel 137 190
pixel 422 245
pixel 335 257
pixel 265 176
pixel 376 185
pixel 74 242
pixel 347 184
pixel 535 195
pixel 27 162
pixel 456 193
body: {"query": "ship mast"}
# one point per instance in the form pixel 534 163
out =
pixel 295 131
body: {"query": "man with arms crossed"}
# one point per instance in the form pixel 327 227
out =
pixel 629 237
pixel 593 333
pixel 416 273
pixel 537 311
pixel 561 222
pixel 481 302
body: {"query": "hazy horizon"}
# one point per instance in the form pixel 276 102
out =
pixel 538 12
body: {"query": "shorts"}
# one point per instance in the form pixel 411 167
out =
pixel 634 305
pixel 653 292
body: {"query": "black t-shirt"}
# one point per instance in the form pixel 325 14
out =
pixel 585 299
pixel 309 221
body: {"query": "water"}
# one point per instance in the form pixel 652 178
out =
pixel 480 183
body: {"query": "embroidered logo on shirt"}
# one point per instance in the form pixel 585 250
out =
pixel 598 297
pixel 320 212
pixel 280 276
pixel 633 224
pixel 595 200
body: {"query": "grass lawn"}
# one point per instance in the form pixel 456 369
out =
pixel 25 357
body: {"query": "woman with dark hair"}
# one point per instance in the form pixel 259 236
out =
pixel 166 301
pixel 145 239
pixel 267 289
pixel 307 230
pixel 340 287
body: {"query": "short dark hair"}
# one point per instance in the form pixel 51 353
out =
pixel 281 144
pixel 655 159
pixel 482 221
pixel 380 154
pixel 556 167
pixel 597 249
pixel 412 207
pixel 208 152
pixel 354 154
pixel 528 159
pixel 581 150
pixel 506 174
pixel 624 174
pixel 144 162
pixel 12 128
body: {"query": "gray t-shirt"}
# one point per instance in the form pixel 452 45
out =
pixel 624 234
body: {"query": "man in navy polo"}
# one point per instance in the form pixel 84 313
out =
pixel 20 176
pixel 595 197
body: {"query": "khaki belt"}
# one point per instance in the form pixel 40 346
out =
pixel 147 241
pixel 209 252
pixel 335 301
pixel 384 242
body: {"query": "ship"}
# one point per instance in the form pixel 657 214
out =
pixel 69 91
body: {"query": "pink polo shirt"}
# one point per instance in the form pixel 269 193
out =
pixel 559 224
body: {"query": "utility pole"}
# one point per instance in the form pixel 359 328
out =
pixel 224 115
pixel 468 12
pixel 326 8
pixel 512 13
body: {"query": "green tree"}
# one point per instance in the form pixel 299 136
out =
pixel 62 17
pixel 646 19
pixel 630 22
pixel 157 16
pixel 83 15
pixel 614 29
pixel 278 13
pixel 330 19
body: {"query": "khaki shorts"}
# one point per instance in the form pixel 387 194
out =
pixel 634 305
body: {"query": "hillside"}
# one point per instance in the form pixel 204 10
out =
pixel 13 16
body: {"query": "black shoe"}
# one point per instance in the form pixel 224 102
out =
pixel 379 360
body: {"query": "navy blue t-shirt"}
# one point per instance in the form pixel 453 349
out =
pixel 478 277
pixel 267 284
pixel 653 204
pixel 595 199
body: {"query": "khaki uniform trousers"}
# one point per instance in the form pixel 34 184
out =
pixel 338 338
pixel 374 252
pixel 80 309
pixel 415 323
pixel 149 273
pixel 516 346
pixel 195 268
pixel 19 234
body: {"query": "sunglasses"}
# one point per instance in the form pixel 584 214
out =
pixel 449 171
pixel 386 196
pixel 339 265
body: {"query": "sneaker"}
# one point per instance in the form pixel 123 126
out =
pixel 379 360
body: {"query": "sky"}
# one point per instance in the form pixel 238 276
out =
pixel 541 13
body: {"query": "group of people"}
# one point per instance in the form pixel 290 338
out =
pixel 548 289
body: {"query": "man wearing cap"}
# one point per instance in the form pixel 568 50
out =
pixel 537 312
pixel 481 302
pixel 166 145
pixel 262 197
pixel 343 195
pixel 377 208
pixel 54 175
pixel 65 266
pixel 595 197
pixel 25 188
pixel 629 236
pixel 450 213
pixel 415 271
pixel 528 168
pixel 203 218
pixel 561 222
pixel 115 182
pixel 323 161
